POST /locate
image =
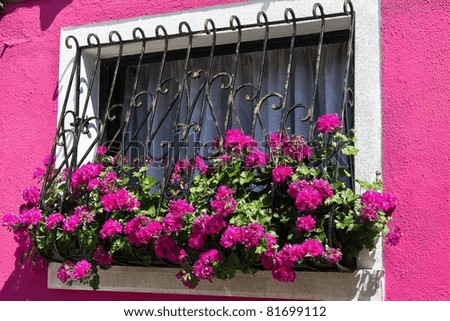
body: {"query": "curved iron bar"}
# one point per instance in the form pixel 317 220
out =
pixel 97 44
pixel 85 125
pixel 348 10
pixel 235 25
pixel 265 98
pixel 256 115
pixel 293 109
pixel 107 116
pixel 289 12
pixel 346 102
pixel 148 120
pixel 168 170
pixel 210 29
pixel 159 85
pixel 49 170
pixel 78 123
pixel 348 99
pixel 320 16
pixel 170 107
pixel 248 97
pixel 56 170
pixel 138 35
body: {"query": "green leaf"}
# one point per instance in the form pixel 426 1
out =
pixel 245 177
pixel 262 247
pixel 338 185
pixel 341 137
pixel 249 270
pixel 117 245
pixel 306 171
pixel 147 183
pixel 343 172
pixel 377 185
pixel 94 283
pixel 350 150
pixel 140 172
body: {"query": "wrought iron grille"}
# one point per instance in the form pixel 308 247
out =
pixel 182 121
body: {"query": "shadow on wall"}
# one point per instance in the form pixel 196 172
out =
pixel 23 281
pixel 49 9
pixel 26 283
pixel 368 285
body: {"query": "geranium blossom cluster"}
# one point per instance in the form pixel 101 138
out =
pixel 249 235
pixel 110 228
pixel 308 196
pixel 246 209
pixel 328 123
pixel 203 226
pixel 108 183
pixel 173 220
pixel 86 176
pixel 102 257
pixel 167 248
pixel 29 213
pixel 281 173
pixel 203 267
pixel 53 220
pixel 75 272
pixel 140 230
pixel 236 141
pixel 305 223
pixel 293 146
pixel 31 195
pixel 296 148
pixel 374 201
pixel 223 204
pixel 289 255
pixel 121 200
pixel 184 167
pixel 30 216
pixel 394 235
pixel 255 158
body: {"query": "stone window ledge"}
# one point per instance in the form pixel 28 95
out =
pixel 363 284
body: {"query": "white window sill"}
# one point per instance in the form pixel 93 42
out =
pixel 363 284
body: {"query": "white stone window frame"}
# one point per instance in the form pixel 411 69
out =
pixel 367 282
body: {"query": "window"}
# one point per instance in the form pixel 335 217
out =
pixel 92 99
pixel 267 86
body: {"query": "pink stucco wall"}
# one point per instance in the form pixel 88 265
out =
pixel 416 90
pixel 29 58
pixel 416 109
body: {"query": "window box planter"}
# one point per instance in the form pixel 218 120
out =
pixel 361 285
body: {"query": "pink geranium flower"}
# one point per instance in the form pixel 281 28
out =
pixel 328 123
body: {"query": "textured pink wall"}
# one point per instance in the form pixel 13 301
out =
pixel 29 58
pixel 416 107
pixel 416 135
